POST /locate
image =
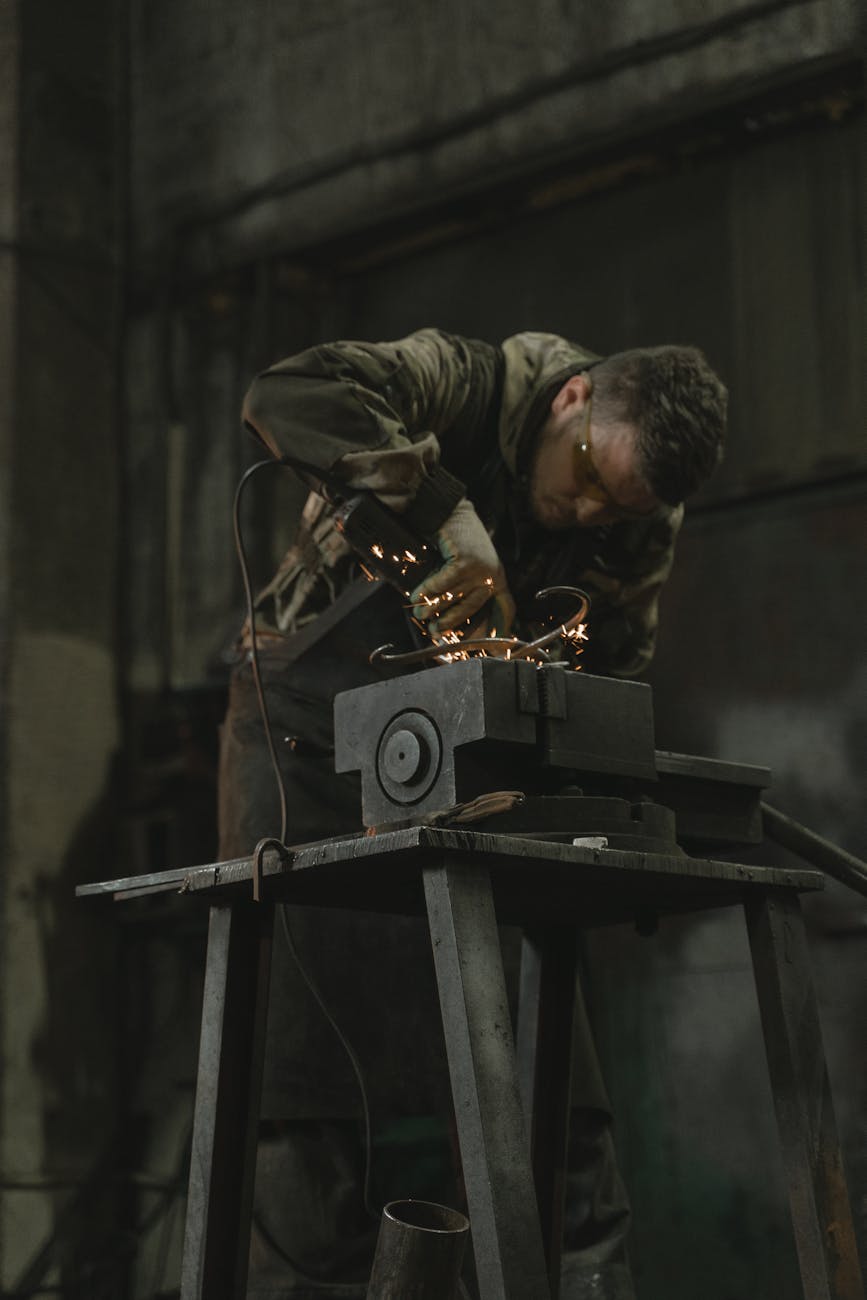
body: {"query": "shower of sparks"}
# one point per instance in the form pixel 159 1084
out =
pixel 403 563
pixel 575 637
pixel 452 638
pixel 572 637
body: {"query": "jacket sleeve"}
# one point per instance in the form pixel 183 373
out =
pixel 371 415
pixel 625 593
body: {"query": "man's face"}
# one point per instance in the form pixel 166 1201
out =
pixel 558 499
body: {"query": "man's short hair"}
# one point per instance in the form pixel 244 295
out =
pixel 678 405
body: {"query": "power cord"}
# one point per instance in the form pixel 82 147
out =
pixel 275 763
pixel 348 1049
pixel 251 623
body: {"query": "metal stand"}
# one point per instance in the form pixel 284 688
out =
pixel 819 1201
pixel 228 1093
pixel 507 1240
pixel 514 1172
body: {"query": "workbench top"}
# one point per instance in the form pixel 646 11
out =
pixel 533 879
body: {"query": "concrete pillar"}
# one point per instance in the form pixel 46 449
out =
pixel 59 339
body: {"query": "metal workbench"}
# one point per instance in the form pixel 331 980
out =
pixel 513 1170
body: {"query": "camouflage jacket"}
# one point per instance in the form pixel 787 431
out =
pixel 424 421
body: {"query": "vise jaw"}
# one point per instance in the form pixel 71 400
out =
pixel 415 739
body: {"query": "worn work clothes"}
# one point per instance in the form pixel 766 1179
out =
pixel 420 422
pixel 424 421
pixel 375 972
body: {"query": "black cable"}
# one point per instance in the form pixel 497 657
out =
pixel 350 1052
pixel 312 1279
pixel 251 623
pixel 284 918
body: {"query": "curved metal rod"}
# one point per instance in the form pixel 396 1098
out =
pixel 438 652
pixel 508 647
pixel 562 629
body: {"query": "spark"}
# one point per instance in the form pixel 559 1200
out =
pixel 377 550
pixel 408 555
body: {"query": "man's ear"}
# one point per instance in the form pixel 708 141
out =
pixel 572 396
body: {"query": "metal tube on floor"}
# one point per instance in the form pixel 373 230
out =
pixel 419 1252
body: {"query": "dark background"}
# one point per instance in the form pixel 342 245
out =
pixel 191 191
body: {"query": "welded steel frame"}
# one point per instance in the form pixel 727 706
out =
pixel 511 1104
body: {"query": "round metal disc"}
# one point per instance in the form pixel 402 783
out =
pixel 408 757
pixel 402 757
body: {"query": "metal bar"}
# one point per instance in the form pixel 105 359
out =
pixel 818 1199
pixel 815 849
pixel 507 1241
pixel 546 1017
pixel 228 1093
pixel 527 1027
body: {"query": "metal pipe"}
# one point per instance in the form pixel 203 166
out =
pixel 418 1252
pixel 814 849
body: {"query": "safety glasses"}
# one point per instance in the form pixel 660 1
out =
pixel 588 481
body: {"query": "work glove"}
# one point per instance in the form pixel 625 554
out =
pixel 471 577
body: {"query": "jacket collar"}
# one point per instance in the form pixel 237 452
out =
pixel 537 366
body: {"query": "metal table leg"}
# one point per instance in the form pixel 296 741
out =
pixel 546 1015
pixel 821 1214
pixel 504 1220
pixel 228 1094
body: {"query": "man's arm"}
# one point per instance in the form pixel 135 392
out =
pixel 372 416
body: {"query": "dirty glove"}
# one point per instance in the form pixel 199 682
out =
pixel 471 577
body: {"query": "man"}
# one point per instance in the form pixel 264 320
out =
pixel 532 464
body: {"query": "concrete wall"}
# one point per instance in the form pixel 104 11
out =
pixel 305 123
pixel 9 72
pixel 304 172
pixel 59 449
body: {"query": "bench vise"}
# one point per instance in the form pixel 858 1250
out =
pixel 580 747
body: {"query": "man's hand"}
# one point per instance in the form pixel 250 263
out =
pixel 471 576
